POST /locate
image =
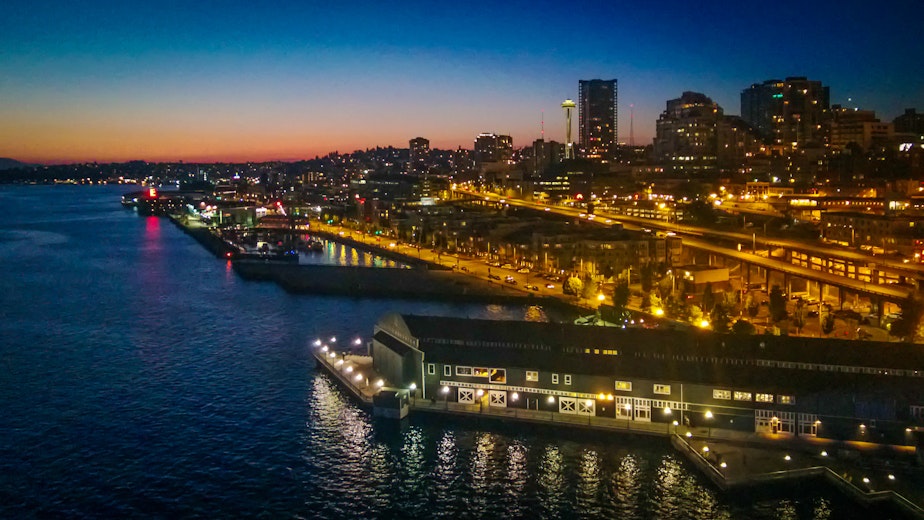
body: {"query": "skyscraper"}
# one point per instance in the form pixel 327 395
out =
pixel 787 113
pixel 597 118
pixel 419 155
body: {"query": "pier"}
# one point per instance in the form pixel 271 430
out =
pixel 730 460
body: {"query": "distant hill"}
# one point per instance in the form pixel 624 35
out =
pixel 10 164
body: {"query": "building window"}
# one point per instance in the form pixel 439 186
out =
pixel 567 379
pixel 721 394
pixel 917 412
pixel 431 369
pixel 662 389
pixel 787 399
pixel 554 379
pixel 463 371
pixel 625 386
pixel 532 375
pixel 764 398
pixel 742 396
pixel 498 375
pixel 447 370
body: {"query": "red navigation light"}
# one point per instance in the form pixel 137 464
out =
pixel 579 196
pixel 152 192
pixel 228 254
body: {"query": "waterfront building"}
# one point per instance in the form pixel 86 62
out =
pixel 787 113
pixel 786 386
pixel 597 118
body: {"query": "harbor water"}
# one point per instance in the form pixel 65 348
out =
pixel 141 377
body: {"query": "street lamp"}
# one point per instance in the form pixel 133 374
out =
pixel 709 417
pixel 445 391
pixel 667 413
pixel 413 389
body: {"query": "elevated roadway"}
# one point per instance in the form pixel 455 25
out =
pixel 705 239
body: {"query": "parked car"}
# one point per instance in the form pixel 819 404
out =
pixel 510 280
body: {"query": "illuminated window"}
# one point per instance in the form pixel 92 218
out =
pixel 431 369
pixel 721 394
pixel 742 396
pixel 554 379
pixel 764 398
pixel 662 389
pixel 481 372
pixel 498 375
pixel 625 386
pixel 532 375
pixel 787 399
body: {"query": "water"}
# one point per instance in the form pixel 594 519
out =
pixel 140 377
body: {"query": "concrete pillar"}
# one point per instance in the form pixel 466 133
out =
pixel 840 297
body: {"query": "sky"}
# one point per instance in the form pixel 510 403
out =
pixel 272 80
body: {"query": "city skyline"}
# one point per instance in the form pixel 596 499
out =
pixel 121 81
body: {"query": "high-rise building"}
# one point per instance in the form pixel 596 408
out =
pixel 492 150
pixel 419 155
pixel 910 122
pixel 693 134
pixel 597 118
pixel 787 113
pixel 861 128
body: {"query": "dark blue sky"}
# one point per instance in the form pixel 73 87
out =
pixel 236 80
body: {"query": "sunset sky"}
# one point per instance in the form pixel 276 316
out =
pixel 234 81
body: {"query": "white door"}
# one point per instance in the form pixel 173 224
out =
pixel 585 407
pixel 467 395
pixel 567 405
pixel 642 409
pixel 497 398
pixel 624 408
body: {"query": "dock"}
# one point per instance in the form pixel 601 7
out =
pixel 730 460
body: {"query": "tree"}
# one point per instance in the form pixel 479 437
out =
pixel 645 275
pixel 621 296
pixel 590 289
pixel 826 319
pixel 708 298
pixel 906 327
pixel 798 316
pixel 720 319
pixel 777 304
pixel 743 328
pixel 752 306
pixel 573 285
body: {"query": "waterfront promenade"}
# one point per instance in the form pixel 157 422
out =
pixel 876 476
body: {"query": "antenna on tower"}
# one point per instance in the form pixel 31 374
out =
pixel 542 124
pixel 631 121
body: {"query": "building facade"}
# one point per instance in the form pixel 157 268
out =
pixel 597 118
pixel 787 113
pixel 764 384
pixel 419 155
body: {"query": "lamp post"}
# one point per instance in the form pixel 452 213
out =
pixel 709 417
pixel 445 391
pixel 413 389
pixel 667 413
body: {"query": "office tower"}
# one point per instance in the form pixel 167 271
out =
pixel 909 123
pixel 860 128
pixel 787 113
pixel 492 151
pixel 597 118
pixel 419 155
pixel 693 134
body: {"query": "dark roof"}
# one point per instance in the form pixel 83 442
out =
pixel 393 344
pixel 514 341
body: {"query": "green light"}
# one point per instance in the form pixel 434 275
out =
pixel 778 96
